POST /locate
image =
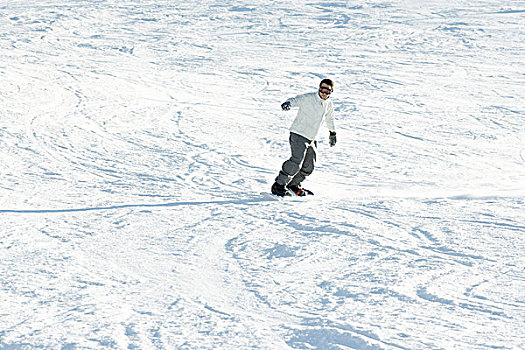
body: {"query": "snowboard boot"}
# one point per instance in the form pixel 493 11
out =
pixel 299 191
pixel 279 190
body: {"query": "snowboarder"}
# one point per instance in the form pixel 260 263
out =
pixel 314 109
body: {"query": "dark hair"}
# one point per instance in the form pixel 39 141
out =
pixel 328 82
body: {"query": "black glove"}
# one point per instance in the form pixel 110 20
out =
pixel 332 139
pixel 286 106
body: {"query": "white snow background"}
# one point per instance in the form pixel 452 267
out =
pixel 136 137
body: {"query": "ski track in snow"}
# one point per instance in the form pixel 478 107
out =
pixel 136 137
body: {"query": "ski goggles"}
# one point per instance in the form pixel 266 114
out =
pixel 325 90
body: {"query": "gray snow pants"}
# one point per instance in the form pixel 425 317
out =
pixel 302 162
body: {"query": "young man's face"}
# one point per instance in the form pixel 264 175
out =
pixel 325 91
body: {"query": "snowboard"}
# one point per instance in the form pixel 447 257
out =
pixel 291 197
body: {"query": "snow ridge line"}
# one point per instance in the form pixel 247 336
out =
pixel 454 197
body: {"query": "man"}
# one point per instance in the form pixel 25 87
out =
pixel 314 109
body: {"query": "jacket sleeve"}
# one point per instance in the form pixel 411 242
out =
pixel 330 123
pixel 296 101
pixel 329 119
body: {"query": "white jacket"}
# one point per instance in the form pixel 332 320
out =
pixel 313 111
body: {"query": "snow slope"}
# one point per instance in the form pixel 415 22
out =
pixel 136 136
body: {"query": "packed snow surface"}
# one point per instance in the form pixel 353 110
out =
pixel 136 137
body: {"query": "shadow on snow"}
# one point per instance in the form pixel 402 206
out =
pixel 126 206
